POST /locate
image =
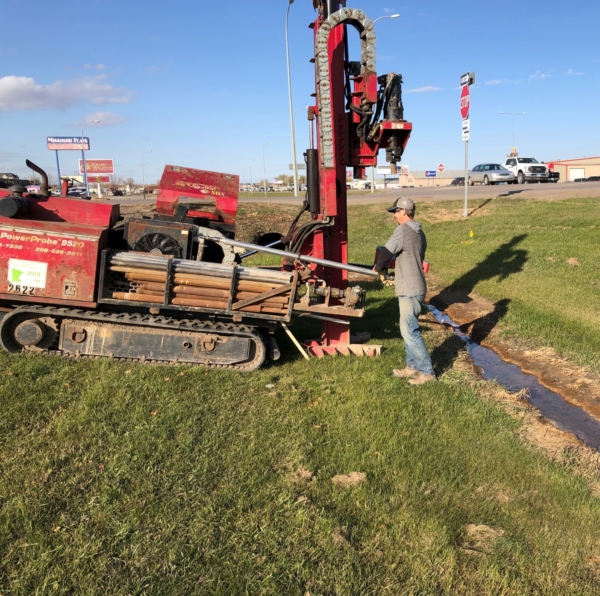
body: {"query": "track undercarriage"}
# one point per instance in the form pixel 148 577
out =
pixel 79 333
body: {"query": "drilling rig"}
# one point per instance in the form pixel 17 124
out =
pixel 77 280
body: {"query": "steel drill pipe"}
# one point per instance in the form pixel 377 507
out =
pixel 155 262
pixel 297 256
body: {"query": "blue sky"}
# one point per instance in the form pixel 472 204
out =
pixel 203 84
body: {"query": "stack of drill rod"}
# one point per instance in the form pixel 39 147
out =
pixel 200 284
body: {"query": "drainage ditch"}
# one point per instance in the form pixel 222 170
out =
pixel 551 405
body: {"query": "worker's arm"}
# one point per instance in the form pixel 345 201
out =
pixel 384 256
pixel 392 247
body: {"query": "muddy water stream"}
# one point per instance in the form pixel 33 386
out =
pixel 551 405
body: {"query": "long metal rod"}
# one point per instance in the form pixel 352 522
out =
pixel 298 256
pixel 322 318
pixel 253 252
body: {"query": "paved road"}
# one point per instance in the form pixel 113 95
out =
pixel 568 190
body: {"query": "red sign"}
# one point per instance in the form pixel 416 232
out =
pixel 98 178
pixel 97 166
pixel 465 101
pixel 441 167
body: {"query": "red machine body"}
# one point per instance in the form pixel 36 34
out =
pixel 211 196
pixel 52 256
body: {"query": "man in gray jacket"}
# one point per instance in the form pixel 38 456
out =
pixel 408 245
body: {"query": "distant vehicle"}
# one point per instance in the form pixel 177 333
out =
pixel 489 173
pixel 460 181
pixel 593 179
pixel 76 192
pixel 580 180
pixel 527 169
pixel 118 193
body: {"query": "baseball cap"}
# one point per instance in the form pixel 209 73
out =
pixel 402 203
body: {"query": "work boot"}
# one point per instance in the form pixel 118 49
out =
pixel 405 373
pixel 421 379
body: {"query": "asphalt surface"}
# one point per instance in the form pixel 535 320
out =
pixel 547 192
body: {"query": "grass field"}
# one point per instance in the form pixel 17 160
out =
pixel 128 479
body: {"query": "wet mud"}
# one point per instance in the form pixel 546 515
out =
pixel 565 393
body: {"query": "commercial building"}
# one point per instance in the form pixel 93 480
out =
pixel 572 169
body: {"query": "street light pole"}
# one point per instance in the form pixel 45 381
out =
pixel 513 124
pixel 387 16
pixel 250 166
pixel 85 182
pixel 144 174
pixel 264 167
pixel 289 77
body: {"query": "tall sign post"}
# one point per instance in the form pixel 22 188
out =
pixel 466 81
pixel 66 144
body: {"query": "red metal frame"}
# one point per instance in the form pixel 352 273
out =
pixel 348 151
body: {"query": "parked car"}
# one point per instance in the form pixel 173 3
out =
pixel 76 192
pixel 460 181
pixel 490 173
pixel 118 193
pixel 593 179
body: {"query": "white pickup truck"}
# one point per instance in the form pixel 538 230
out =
pixel 527 169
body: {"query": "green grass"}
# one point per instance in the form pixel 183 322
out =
pixel 130 479
pixel 518 253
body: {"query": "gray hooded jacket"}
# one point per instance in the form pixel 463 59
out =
pixel 408 243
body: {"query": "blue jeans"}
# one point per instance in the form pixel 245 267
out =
pixel 417 356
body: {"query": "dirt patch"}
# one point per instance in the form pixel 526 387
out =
pixel 301 476
pixel 255 220
pixel 128 211
pixel 479 540
pixel 352 479
pixel 479 318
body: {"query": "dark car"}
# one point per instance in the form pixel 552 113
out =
pixel 593 179
pixel 460 181
pixel 118 193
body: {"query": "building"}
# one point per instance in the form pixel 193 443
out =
pixel 572 169
pixel 419 179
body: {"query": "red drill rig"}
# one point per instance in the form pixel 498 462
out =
pixel 78 280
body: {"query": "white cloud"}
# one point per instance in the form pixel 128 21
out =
pixel 494 82
pixel 106 119
pixel 94 66
pixel 538 74
pixel 426 89
pixel 23 93
pixel 572 73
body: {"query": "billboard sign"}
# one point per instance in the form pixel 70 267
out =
pixel 98 178
pixel 97 166
pixel 68 143
pixel 430 174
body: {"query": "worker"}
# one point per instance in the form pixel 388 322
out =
pixel 408 243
